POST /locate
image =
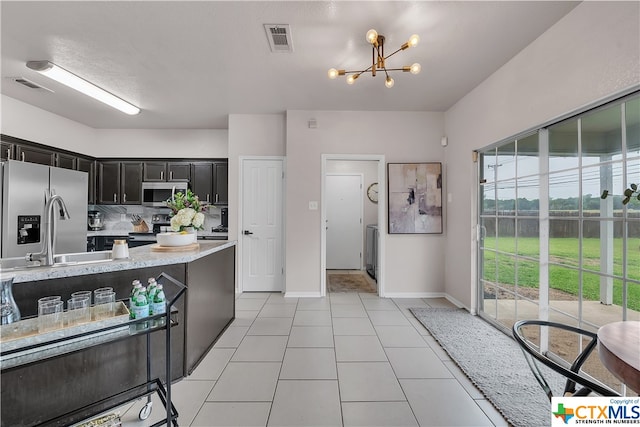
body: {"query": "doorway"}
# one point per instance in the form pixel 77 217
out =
pixel 351 167
pixel 344 200
pixel 261 227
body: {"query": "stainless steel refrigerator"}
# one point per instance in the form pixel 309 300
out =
pixel 25 189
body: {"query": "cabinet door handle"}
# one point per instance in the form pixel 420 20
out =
pixel 171 175
pixel 115 198
pixel 208 199
pixel 9 153
pixel 124 197
pixel 22 156
pixel 216 197
pixel 161 175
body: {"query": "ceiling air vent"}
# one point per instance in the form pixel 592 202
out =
pixel 279 36
pixel 29 83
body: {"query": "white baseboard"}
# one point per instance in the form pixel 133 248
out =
pixel 302 295
pixel 414 295
pixel 457 303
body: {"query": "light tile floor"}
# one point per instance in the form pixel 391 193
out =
pixel 350 359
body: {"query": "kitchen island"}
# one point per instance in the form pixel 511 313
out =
pixel 42 390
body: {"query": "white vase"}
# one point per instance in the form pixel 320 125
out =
pixel 193 232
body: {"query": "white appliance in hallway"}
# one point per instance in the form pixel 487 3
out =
pixel 344 206
pixel 262 233
pixel 25 189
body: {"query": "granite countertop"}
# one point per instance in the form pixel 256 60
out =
pixel 124 233
pixel 139 257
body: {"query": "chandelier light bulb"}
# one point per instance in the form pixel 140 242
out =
pixel 333 73
pixel 389 82
pixel 413 40
pixel 372 36
pixel 351 79
pixel 415 68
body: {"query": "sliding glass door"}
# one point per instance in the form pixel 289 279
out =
pixel 550 247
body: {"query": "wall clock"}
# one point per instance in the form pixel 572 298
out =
pixel 372 192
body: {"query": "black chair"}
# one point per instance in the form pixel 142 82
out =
pixel 573 375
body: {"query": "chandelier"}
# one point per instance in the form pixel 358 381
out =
pixel 378 60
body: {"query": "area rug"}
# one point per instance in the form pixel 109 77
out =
pixel 349 283
pixel 494 362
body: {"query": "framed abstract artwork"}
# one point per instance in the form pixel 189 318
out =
pixel 415 198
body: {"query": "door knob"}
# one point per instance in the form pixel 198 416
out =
pixel 247 232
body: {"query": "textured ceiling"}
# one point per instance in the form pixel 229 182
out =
pixel 191 64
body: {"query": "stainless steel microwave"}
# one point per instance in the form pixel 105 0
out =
pixel 157 193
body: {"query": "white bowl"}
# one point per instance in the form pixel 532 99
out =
pixel 174 239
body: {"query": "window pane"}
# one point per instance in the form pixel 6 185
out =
pixel 527 309
pixel 506 313
pixel 488 166
pixel 489 299
pixel 633 177
pixel 506 161
pixel 633 301
pixel 529 196
pixel 488 235
pixel 632 119
pixel 506 197
pixel 528 280
pixel 528 158
pixel 489 265
pixel 602 135
pixel 563 289
pixel 507 235
pixel 488 205
pixel 505 274
pixel 528 240
pixel 563 242
pixel 563 146
pixel 633 250
pixel 564 193
pixel 597 179
pixel 602 247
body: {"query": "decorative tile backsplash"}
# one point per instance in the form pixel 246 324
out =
pixel 118 217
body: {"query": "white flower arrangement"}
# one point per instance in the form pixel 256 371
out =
pixel 187 217
pixel 186 211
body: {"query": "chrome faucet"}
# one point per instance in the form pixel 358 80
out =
pixel 45 256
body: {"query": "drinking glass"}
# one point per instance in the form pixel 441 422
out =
pixel 99 291
pixel 46 300
pixel 105 304
pixel 50 315
pixel 78 310
pixel 81 294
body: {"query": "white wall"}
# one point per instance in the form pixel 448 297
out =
pixel 157 143
pixel 591 53
pixel 414 263
pixel 34 124
pixel 25 121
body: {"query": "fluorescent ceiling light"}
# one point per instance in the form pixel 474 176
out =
pixel 63 76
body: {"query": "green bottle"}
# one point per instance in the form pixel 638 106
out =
pixel 151 292
pixel 159 305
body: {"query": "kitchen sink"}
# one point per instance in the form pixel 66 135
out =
pixel 17 263
pixel 20 263
pixel 82 258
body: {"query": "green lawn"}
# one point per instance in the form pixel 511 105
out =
pixel 565 252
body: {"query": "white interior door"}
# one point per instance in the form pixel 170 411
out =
pixel 344 201
pixel 262 226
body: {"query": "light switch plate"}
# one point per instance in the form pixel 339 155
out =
pixel 313 206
